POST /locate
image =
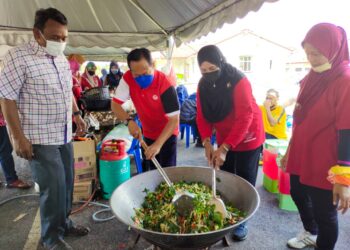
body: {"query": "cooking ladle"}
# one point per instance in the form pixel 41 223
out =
pixel 215 200
pixel 183 200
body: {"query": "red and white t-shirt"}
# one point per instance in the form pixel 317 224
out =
pixel 153 104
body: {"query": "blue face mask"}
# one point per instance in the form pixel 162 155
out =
pixel 144 81
pixel 115 71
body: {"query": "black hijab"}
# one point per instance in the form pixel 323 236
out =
pixel 113 79
pixel 216 96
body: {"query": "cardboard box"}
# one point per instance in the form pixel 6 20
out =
pixel 82 190
pixel 84 160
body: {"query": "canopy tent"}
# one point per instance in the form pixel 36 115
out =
pixel 100 28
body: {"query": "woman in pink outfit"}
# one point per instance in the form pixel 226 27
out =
pixel 320 142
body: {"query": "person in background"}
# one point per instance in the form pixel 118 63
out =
pixel 318 157
pixel 75 61
pixel 225 103
pixel 38 105
pixel 182 93
pixel 104 75
pixel 113 78
pixel 274 116
pixel 188 115
pixel 157 107
pixel 89 79
pixel 6 159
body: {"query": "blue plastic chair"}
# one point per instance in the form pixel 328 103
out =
pixel 135 150
pixel 289 121
pixel 213 139
pixel 186 130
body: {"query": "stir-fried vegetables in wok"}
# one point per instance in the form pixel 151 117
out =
pixel 158 213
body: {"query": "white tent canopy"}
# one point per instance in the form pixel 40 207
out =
pixel 111 27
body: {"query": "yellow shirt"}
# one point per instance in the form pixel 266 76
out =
pixel 280 129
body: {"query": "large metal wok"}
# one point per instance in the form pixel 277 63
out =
pixel 232 188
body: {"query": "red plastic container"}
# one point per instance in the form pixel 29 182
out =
pixel 270 167
pixel 283 182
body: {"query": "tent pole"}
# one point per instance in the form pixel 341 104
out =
pixel 169 53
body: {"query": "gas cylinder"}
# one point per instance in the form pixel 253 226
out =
pixel 114 166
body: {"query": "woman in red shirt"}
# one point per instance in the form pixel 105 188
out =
pixel 89 79
pixel 225 103
pixel 74 67
pixel 321 138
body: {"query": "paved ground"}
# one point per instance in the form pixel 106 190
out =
pixel 269 228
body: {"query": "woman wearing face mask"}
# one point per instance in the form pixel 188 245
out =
pixel 114 76
pixel 320 143
pixel 225 103
pixel 75 61
pixel 89 79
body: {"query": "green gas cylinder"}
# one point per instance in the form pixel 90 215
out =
pixel 114 166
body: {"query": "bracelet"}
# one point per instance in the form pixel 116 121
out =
pixel 76 113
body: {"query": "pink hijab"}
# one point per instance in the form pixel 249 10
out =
pixel 74 66
pixel 331 41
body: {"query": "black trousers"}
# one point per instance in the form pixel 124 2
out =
pixel 166 156
pixel 317 212
pixel 6 160
pixel 244 164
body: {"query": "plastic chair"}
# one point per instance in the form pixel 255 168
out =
pixel 186 130
pixel 213 139
pixel 289 121
pixel 135 150
pixel 270 167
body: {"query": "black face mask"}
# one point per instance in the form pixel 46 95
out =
pixel 212 76
pixel 91 73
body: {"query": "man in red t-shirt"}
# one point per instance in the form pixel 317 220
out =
pixel 156 104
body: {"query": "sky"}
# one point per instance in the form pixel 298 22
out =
pixel 287 21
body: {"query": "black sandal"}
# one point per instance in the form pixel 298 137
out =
pixel 77 231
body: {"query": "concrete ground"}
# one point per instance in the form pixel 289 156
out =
pixel 270 228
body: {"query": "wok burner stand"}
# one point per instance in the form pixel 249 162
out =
pixel 158 248
pixel 225 242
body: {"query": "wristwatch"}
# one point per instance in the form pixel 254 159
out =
pixel 77 113
pixel 126 122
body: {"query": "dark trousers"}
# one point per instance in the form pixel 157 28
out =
pixel 244 164
pixel 53 170
pixel 317 212
pixel 269 136
pixel 6 159
pixel 166 156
